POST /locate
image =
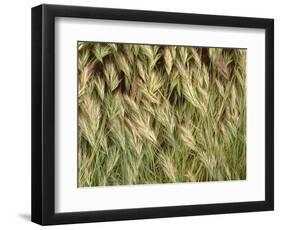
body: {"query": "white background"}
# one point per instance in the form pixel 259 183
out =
pixel 71 199
pixel 15 115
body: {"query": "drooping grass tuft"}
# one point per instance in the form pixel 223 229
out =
pixel 160 114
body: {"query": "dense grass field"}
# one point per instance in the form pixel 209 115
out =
pixel 160 114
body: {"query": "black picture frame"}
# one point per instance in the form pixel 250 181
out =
pixel 43 114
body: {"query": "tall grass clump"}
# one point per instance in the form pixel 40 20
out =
pixel 160 114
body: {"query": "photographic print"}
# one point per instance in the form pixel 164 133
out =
pixel 150 114
pixel 158 115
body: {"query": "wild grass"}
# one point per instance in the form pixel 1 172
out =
pixel 160 114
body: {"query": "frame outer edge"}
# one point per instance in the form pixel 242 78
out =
pixel 269 129
pixel 36 114
pixel 48 115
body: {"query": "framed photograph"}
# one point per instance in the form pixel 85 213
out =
pixel 142 114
